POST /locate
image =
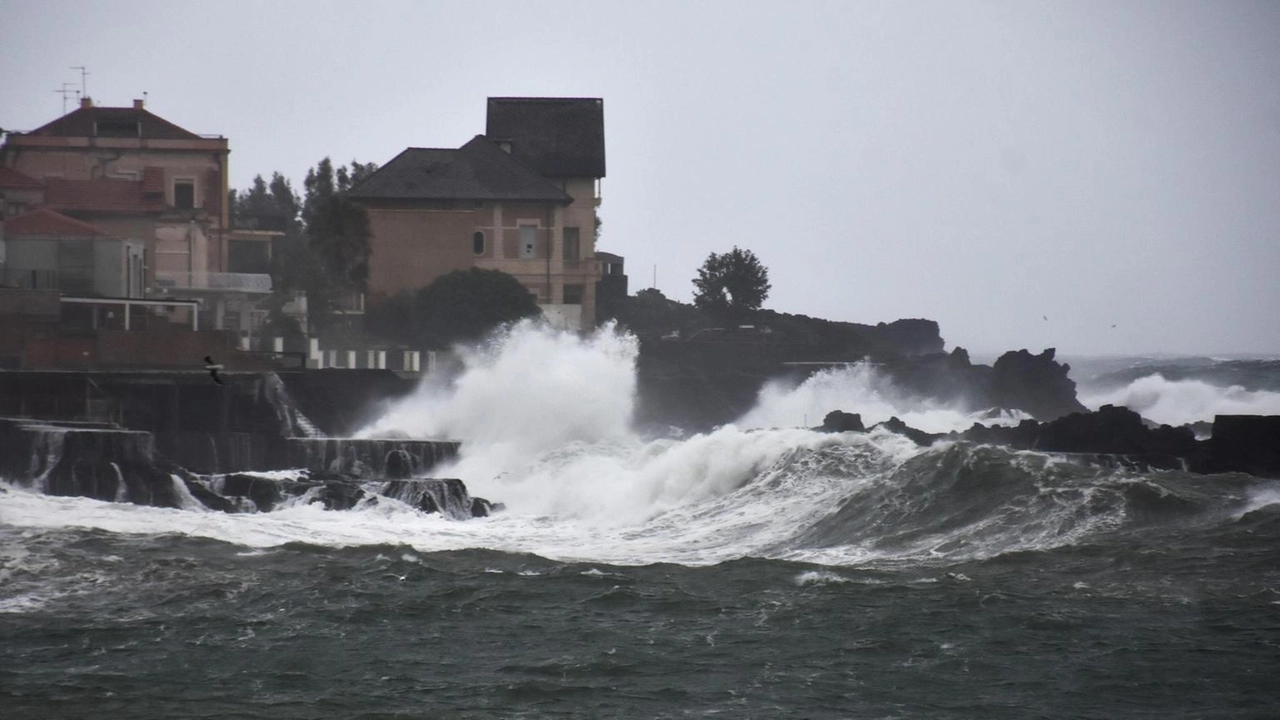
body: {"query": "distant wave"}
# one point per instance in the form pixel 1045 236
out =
pixel 1179 402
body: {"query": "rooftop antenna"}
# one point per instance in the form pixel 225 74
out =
pixel 64 92
pixel 84 85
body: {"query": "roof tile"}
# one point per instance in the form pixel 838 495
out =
pixel 88 121
pixel 12 179
pixel 478 170
pixel 47 222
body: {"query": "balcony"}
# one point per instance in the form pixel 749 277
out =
pixel 258 283
pixel 29 279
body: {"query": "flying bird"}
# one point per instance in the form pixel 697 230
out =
pixel 213 369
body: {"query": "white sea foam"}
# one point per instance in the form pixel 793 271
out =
pixel 1179 402
pixel 859 389
pixel 819 577
pixel 545 422
pixel 1260 498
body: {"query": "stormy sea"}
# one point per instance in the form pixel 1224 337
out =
pixel 761 570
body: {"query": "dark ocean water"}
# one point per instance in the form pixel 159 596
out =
pixel 1173 612
pixel 744 574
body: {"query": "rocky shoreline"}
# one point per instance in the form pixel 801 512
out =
pixel 1116 435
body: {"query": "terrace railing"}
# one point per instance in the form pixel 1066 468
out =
pixel 216 282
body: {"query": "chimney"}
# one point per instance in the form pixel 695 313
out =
pixel 138 104
pixel 86 102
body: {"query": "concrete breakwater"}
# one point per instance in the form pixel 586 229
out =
pixel 179 440
pixel 94 460
pixel 244 423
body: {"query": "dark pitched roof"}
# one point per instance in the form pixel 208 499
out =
pixel 102 195
pixel 114 122
pixel 10 178
pixel 44 222
pixel 475 171
pixel 558 137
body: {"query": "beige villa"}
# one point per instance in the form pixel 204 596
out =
pixel 131 177
pixel 521 198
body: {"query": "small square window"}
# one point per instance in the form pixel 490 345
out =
pixel 184 194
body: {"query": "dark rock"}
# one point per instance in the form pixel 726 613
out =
pixel 481 507
pixel 1035 384
pixel 909 336
pixel 919 437
pixel 338 495
pixel 447 496
pixel 1244 443
pixel 1109 431
pixel 265 493
pixel 399 464
pixel 838 421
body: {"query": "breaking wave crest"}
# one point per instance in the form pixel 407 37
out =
pixel 1180 402
pixel 545 425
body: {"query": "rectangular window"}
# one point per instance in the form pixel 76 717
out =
pixel 573 294
pixel 184 194
pixel 528 242
pixel 117 128
pixel 571 244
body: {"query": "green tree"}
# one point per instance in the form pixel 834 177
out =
pixel 285 201
pixel 466 304
pixel 325 249
pixel 337 231
pixel 732 283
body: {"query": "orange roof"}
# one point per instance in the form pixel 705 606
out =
pixel 103 195
pixel 47 222
pixel 10 178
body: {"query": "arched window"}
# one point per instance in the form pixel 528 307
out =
pixel 477 243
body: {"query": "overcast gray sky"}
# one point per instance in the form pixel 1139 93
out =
pixel 1114 167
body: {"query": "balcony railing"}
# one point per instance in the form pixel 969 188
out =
pixel 217 282
pixel 30 279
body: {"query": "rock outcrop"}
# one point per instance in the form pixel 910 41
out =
pixel 1119 436
pixel 837 421
pixel 1244 443
pixel 1035 384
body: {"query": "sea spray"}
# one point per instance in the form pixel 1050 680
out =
pixel 861 389
pixel 1180 402
pixel 528 388
pixel 544 419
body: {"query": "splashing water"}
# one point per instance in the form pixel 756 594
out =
pixel 859 389
pixel 545 424
pixel 544 420
pixel 1179 402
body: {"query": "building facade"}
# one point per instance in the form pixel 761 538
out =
pixel 131 173
pixel 125 216
pixel 521 199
